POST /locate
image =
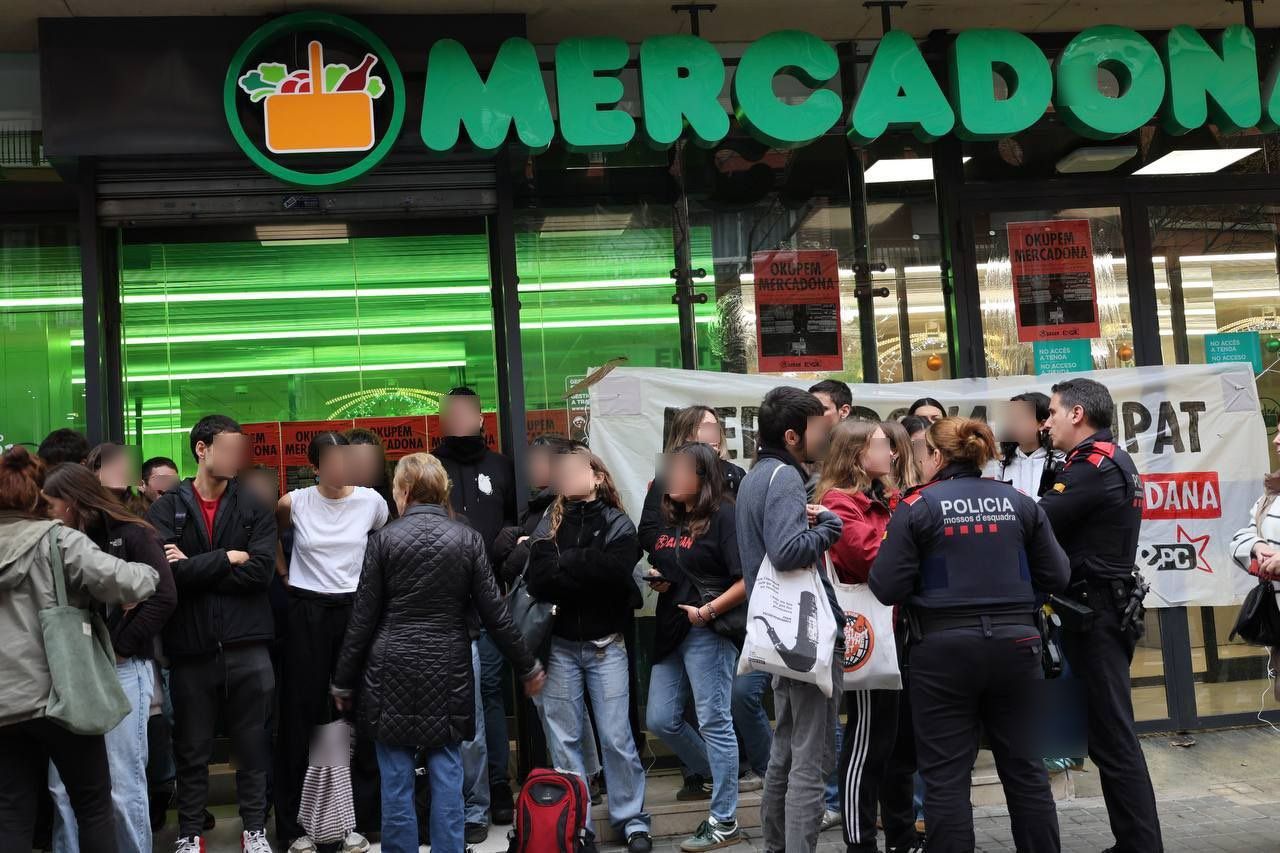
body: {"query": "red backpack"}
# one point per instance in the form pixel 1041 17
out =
pixel 551 813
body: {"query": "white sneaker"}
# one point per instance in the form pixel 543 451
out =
pixel 255 842
pixel 191 844
pixel 749 781
pixel 829 819
pixel 302 845
pixel 355 843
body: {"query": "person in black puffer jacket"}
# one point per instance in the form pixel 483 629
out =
pixel 406 659
pixel 581 558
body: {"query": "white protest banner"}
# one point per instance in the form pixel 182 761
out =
pixel 1195 431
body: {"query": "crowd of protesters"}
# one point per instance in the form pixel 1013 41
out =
pixel 378 596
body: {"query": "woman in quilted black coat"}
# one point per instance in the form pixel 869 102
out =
pixel 408 635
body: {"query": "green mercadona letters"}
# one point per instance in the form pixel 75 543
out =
pixel 1186 79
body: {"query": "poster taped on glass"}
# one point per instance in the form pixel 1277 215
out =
pixel 798 310
pixel 1054 290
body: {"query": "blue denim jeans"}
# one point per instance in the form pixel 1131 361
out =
pixel 833 781
pixel 475 764
pixel 751 721
pixel 578 670
pixel 703 663
pixel 127 760
pixel 493 671
pixel 396 766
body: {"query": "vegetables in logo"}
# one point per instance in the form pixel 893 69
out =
pixel 324 108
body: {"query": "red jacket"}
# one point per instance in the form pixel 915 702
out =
pixel 865 521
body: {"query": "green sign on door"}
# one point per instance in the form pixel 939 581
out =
pixel 1234 346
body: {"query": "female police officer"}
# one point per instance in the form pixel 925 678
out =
pixel 967 556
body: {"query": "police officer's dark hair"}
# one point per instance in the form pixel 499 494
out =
pixel 782 409
pixel 210 427
pixel 926 401
pixel 1093 397
pixel 967 440
pixel 321 441
pixel 835 389
pixel 914 424
pixel 63 445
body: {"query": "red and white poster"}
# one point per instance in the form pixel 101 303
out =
pixel 798 311
pixel 400 436
pixel 1055 295
pixel 543 421
pixel 295 438
pixel 435 434
pixel 264 444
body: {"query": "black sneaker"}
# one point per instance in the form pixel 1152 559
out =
pixel 209 820
pixel 695 788
pixel 502 807
pixel 476 833
pixel 639 842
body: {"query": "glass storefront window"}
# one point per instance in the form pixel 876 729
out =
pixel 745 199
pixel 41 320
pixel 299 325
pixel 1006 355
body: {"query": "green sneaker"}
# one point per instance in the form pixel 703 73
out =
pixel 712 835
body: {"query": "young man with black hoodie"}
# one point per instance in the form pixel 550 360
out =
pixel 220 541
pixel 775 518
pixel 484 493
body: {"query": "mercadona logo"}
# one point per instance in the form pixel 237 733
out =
pixel 314 99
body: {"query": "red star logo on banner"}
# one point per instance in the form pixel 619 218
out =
pixel 1202 542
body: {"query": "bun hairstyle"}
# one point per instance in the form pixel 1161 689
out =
pixel 966 440
pixel 21 475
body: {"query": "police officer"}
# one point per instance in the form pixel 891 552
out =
pixel 1095 506
pixel 968 556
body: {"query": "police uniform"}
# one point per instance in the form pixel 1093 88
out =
pixel 968 556
pixel 1095 507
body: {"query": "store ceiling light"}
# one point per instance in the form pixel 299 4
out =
pixel 1096 158
pixel 292 235
pixel 286 371
pixel 1196 161
pixel 902 170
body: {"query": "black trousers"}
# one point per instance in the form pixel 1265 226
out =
pixel 1101 658
pixel 963 679
pixel 317 624
pixel 869 732
pixel 236 684
pixel 25 752
pixel 898 788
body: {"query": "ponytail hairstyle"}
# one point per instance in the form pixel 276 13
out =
pixel 711 490
pixel 606 491
pixel 91 503
pixel 965 440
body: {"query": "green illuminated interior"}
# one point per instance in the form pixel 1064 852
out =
pixel 40 315
pixel 280 330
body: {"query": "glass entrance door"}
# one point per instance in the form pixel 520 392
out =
pixel 1216 274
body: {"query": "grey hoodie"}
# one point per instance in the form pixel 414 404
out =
pixel 26 588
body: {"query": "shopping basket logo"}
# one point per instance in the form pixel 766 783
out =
pixel 295 114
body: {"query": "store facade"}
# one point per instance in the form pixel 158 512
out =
pixel 511 213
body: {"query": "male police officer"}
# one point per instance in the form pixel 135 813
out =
pixel 1095 507
pixel 968 555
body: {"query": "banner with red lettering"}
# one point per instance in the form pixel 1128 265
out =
pixel 544 421
pixel 1195 432
pixel 1055 295
pixel 400 436
pixel 797 310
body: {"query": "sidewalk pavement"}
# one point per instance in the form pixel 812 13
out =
pixel 1221 795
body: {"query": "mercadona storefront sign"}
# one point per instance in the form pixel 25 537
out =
pixel 283 116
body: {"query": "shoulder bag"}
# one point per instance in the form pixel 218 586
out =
pixel 85 696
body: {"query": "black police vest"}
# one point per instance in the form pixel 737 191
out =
pixel 1104 546
pixel 972 553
